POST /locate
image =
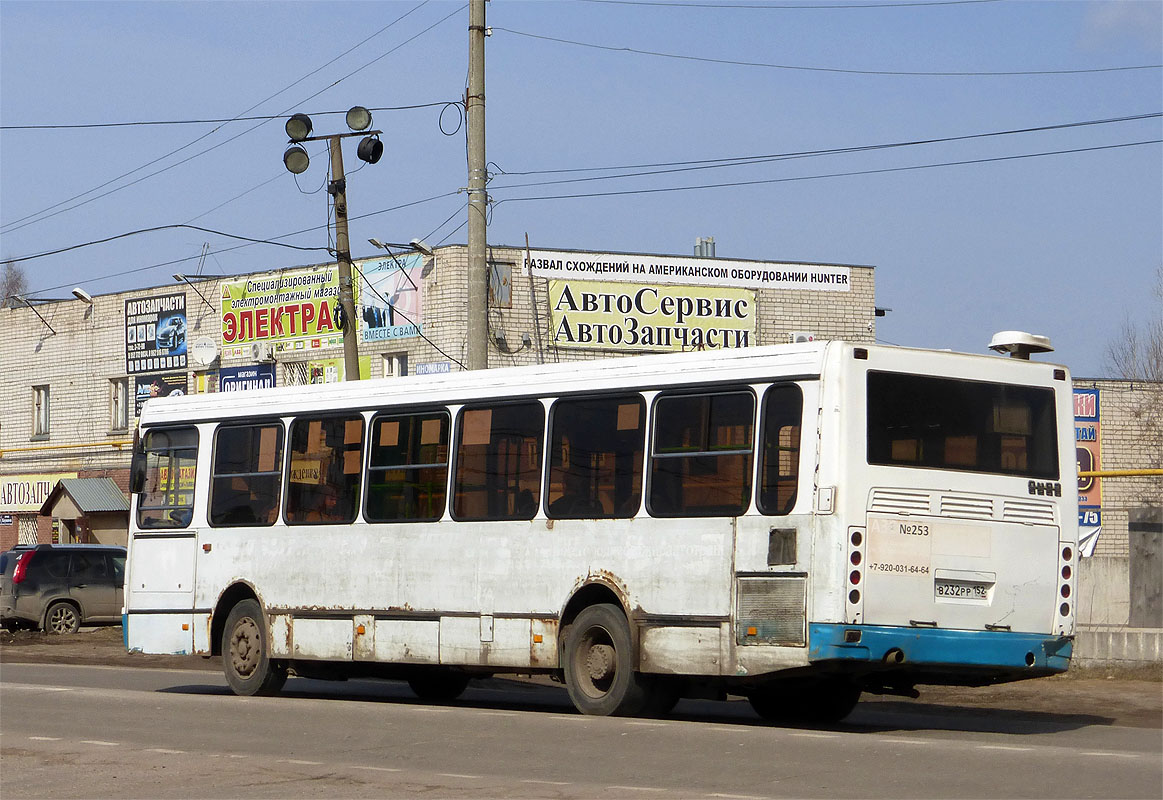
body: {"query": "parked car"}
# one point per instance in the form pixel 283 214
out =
pixel 58 588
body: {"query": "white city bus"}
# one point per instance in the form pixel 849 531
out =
pixel 796 524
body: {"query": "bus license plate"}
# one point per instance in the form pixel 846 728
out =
pixel 961 590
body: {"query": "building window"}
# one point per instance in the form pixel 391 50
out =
pixel 119 404
pixel 40 411
pixel 395 365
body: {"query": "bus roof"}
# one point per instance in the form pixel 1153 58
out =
pixel 800 360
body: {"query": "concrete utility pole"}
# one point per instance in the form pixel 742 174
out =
pixel 338 191
pixel 478 291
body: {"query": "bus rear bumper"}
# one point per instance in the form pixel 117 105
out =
pixel 940 651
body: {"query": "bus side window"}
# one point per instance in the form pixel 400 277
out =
pixel 323 480
pixel 166 499
pixel 498 461
pixel 779 472
pixel 246 475
pixel 408 469
pixel 700 462
pixel 595 457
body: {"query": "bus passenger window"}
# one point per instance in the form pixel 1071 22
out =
pixel 408 470
pixel 167 496
pixel 324 474
pixel 701 457
pixel 595 457
pixel 246 475
pixel 498 461
pixel 779 470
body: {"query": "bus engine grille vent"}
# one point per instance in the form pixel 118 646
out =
pixel 899 501
pixel 771 611
pixel 1032 511
pixel 968 506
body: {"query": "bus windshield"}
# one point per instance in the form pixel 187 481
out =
pixel 974 426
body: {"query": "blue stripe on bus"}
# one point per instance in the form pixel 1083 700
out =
pixel 922 646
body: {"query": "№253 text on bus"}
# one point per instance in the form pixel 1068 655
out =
pixel 796 524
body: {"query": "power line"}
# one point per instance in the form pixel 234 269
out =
pixel 36 216
pixel 271 240
pixel 731 62
pixel 830 175
pixel 786 6
pixel 127 234
pixel 264 117
pixel 665 167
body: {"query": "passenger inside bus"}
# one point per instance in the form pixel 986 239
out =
pixel 577 500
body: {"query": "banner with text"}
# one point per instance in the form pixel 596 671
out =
pixel 155 334
pixel 392 305
pixel 157 386
pixel 240 379
pixel 22 494
pixel 293 310
pixel 621 316
pixel 687 270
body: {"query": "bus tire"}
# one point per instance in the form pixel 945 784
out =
pixel 438 686
pixel 823 703
pixel 246 653
pixel 598 664
pixel 62 617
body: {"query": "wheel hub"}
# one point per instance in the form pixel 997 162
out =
pixel 600 662
pixel 244 647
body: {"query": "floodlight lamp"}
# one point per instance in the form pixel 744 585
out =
pixel 296 159
pixel 370 149
pixel 82 295
pixel 359 118
pixel 422 247
pixel 298 127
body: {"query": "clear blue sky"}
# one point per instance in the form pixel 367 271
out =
pixel 1062 245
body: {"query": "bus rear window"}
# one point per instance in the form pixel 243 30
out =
pixel 972 426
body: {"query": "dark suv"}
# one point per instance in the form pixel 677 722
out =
pixel 60 587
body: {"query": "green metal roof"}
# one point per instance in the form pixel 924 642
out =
pixel 90 495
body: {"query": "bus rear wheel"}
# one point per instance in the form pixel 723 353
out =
pixel 822 702
pixel 246 653
pixel 599 672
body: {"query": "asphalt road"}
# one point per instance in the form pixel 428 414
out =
pixel 83 731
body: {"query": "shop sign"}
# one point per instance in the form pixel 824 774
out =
pixel 157 386
pixel 622 316
pixel 27 493
pixel 434 368
pixel 292 310
pixel 392 306
pixel 687 270
pixel 1088 453
pixel 155 334
pixel 240 379
pixel 333 370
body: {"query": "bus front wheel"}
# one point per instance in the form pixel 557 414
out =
pixel 246 653
pixel 598 664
